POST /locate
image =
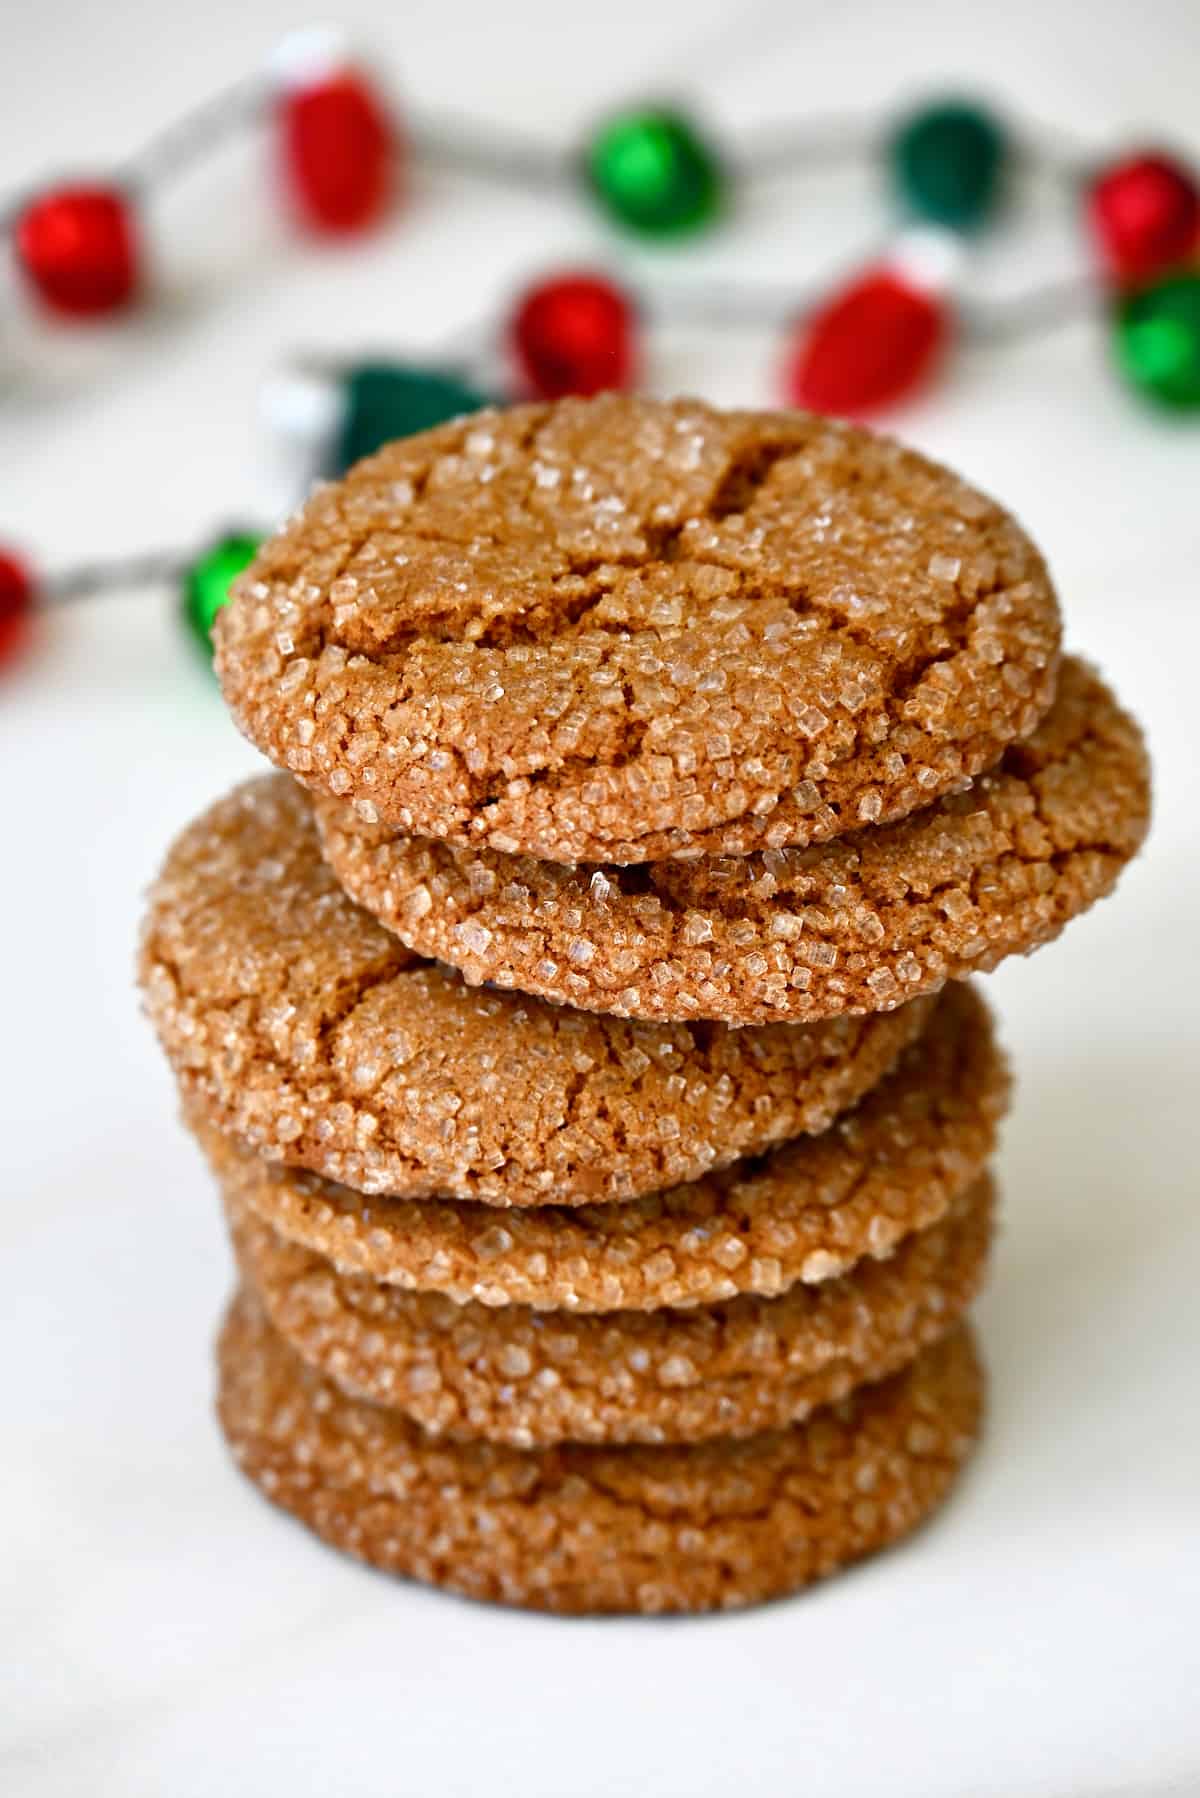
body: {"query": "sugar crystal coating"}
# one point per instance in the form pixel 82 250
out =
pixel 584 1528
pixel 293 1020
pixel 807 1211
pixel 531 1378
pixel 626 629
pixel 858 924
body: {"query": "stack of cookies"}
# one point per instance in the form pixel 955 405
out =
pixel 575 1026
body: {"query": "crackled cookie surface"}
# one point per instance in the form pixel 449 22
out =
pixel 805 1212
pixel 857 924
pixel 581 1528
pixel 296 1021
pixel 627 629
pixel 531 1378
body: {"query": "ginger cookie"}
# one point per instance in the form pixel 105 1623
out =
pixel 853 925
pixel 625 629
pixel 806 1212
pixel 583 1528
pixel 297 1022
pixel 532 1378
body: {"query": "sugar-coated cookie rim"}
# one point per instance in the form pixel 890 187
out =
pixel 296 1022
pixel 582 1529
pixel 481 1373
pixel 759 960
pixel 818 1204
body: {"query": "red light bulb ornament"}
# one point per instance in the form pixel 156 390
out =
pixel 77 247
pixel 339 143
pixel 17 589
pixel 1144 213
pixel 573 333
pixel 877 341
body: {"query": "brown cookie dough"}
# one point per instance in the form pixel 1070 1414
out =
pixel 626 629
pixel 582 1528
pixel 858 924
pixel 294 1020
pixel 806 1212
pixel 531 1378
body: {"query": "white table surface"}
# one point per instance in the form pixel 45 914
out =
pixel 161 1629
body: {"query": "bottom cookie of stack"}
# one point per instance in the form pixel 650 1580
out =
pixel 582 1528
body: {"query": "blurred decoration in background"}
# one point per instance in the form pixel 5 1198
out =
pixel 950 162
pixel 1144 213
pixel 205 581
pixel 340 149
pixel 16 604
pixel 381 400
pixel 200 579
pixel 873 343
pixel 654 173
pixel 574 333
pixel 1158 332
pixel 854 347
pixel 79 249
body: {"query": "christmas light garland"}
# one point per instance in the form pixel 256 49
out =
pixel 856 350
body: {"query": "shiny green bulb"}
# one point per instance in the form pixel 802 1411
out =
pixel 654 174
pixel 207 582
pixel 1158 340
pixel 948 163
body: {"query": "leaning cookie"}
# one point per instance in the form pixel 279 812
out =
pixel 859 924
pixel 295 1021
pixel 580 1528
pixel 626 629
pixel 806 1212
pixel 532 1378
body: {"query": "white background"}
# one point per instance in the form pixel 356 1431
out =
pixel 163 1631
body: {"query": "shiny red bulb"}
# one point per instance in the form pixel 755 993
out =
pixel 867 347
pixel 1144 213
pixel 78 248
pixel 339 149
pixel 574 334
pixel 16 603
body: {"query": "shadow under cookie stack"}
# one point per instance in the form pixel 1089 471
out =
pixel 576 1025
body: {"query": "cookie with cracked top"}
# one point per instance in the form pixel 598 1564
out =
pixel 295 1021
pixel 532 1378
pixel 625 630
pixel 584 1528
pixel 806 1212
pixel 857 924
